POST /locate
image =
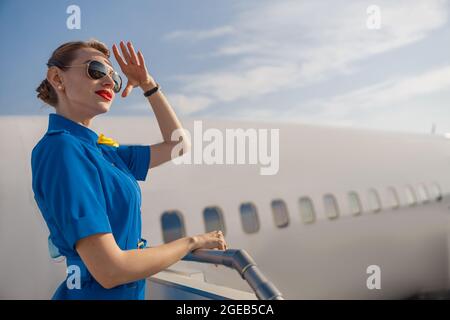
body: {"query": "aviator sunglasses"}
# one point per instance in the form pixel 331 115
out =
pixel 95 70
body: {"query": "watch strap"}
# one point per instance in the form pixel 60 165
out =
pixel 151 91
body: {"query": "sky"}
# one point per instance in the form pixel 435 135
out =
pixel 313 62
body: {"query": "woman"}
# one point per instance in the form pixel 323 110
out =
pixel 85 185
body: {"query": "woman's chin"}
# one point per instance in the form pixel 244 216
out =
pixel 105 106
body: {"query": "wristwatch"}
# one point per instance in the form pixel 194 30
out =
pixel 151 91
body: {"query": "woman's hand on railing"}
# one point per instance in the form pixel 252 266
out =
pixel 210 240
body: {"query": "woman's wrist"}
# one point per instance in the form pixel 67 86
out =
pixel 193 242
pixel 148 84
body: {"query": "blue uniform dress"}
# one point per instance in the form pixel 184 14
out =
pixel 83 188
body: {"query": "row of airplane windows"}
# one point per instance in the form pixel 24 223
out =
pixel 173 226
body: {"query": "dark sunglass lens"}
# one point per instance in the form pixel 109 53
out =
pixel 97 70
pixel 117 82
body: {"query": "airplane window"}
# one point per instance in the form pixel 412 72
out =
pixel 392 197
pixel 280 213
pixel 249 217
pixel 331 206
pixel 374 200
pixel 306 210
pixel 423 193
pixel 172 226
pixel 213 218
pixel 410 196
pixel 354 203
pixel 436 192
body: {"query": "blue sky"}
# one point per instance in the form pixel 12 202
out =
pixel 296 61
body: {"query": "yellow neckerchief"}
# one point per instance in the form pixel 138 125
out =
pixel 108 141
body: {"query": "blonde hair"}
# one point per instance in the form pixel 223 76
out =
pixel 62 56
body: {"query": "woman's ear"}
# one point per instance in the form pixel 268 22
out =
pixel 53 76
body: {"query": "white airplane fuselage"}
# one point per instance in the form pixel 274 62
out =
pixel 326 258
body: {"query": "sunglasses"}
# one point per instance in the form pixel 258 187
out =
pixel 95 70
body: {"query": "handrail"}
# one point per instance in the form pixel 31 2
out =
pixel 243 263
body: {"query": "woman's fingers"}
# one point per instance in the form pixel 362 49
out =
pixel 222 243
pixel 133 56
pixel 214 240
pixel 125 52
pixel 141 58
pixel 119 58
pixel 127 90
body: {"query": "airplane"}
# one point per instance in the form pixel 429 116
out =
pixel 345 207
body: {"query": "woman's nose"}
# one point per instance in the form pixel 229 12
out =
pixel 109 81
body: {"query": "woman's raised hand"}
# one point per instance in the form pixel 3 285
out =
pixel 133 67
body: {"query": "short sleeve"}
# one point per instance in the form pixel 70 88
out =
pixel 72 191
pixel 137 159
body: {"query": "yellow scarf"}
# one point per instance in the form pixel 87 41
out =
pixel 108 141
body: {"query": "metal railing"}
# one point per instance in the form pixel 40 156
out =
pixel 240 261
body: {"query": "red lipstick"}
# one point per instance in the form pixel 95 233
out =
pixel 104 94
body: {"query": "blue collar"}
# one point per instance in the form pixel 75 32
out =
pixel 56 121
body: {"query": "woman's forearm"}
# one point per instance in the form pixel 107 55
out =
pixel 139 264
pixel 165 115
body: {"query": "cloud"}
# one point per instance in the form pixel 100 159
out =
pixel 388 93
pixel 285 45
pixel 412 102
pixel 198 35
pixel 188 104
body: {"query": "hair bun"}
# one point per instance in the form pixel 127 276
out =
pixel 46 93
